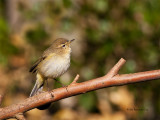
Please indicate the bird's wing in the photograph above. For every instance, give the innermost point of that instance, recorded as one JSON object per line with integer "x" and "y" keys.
{"x": 33, "y": 69}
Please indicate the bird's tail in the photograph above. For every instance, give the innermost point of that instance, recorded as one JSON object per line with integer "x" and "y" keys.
{"x": 38, "y": 87}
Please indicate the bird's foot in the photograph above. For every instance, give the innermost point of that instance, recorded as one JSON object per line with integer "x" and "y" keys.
{"x": 60, "y": 83}
{"x": 39, "y": 92}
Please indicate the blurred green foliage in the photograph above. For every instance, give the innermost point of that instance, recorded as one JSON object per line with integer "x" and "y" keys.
{"x": 67, "y": 3}
{"x": 6, "y": 48}
{"x": 88, "y": 101}
{"x": 37, "y": 36}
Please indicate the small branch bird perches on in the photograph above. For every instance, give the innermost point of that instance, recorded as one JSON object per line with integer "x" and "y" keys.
{"x": 112, "y": 78}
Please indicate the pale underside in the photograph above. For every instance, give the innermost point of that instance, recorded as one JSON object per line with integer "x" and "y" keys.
{"x": 55, "y": 66}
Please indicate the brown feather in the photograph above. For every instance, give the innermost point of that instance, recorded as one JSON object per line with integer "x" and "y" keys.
{"x": 33, "y": 68}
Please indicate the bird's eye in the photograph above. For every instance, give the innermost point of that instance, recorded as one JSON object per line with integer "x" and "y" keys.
{"x": 63, "y": 45}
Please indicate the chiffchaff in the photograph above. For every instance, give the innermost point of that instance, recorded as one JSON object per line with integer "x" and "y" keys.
{"x": 54, "y": 62}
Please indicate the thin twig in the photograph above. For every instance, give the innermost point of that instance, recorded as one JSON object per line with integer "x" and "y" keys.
{"x": 116, "y": 68}
{"x": 75, "y": 79}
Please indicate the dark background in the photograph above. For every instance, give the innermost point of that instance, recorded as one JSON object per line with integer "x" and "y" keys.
{"x": 105, "y": 31}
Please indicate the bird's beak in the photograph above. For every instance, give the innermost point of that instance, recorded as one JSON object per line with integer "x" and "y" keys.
{"x": 71, "y": 40}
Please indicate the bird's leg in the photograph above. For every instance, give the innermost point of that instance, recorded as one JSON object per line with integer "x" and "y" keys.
{"x": 59, "y": 82}
{"x": 47, "y": 85}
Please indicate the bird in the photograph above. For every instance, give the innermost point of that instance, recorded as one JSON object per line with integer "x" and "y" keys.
{"x": 54, "y": 62}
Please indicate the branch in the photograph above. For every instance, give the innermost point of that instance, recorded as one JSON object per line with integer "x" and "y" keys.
{"x": 111, "y": 79}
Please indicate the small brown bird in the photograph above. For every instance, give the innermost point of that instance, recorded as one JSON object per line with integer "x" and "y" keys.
{"x": 54, "y": 62}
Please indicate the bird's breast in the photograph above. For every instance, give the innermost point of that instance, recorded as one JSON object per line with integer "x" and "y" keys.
{"x": 54, "y": 66}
